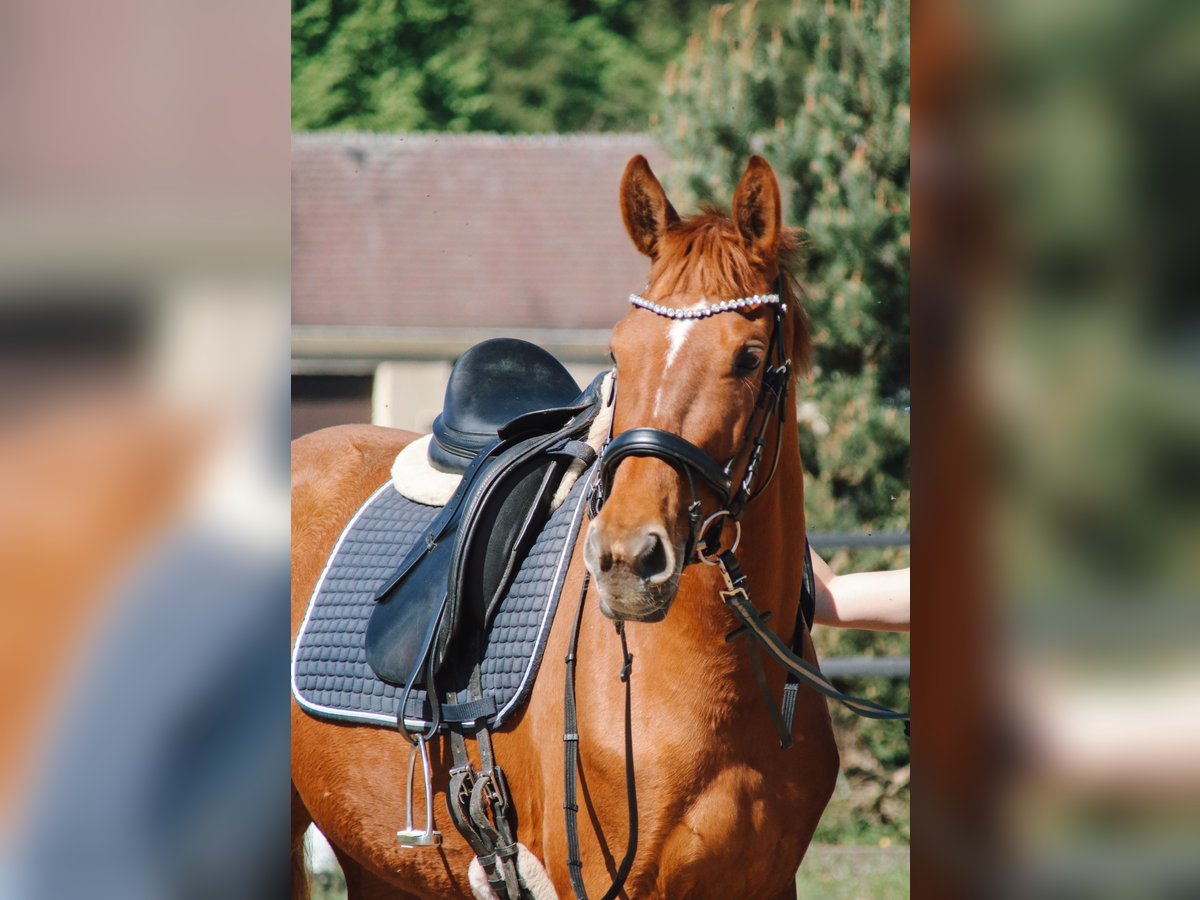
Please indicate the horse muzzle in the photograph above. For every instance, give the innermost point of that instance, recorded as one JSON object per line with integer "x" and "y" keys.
{"x": 636, "y": 571}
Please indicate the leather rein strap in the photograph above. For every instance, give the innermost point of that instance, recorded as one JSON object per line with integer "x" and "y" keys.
{"x": 737, "y": 599}
{"x": 571, "y": 762}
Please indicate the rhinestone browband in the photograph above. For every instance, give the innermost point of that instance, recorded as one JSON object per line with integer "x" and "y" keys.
{"x": 703, "y": 312}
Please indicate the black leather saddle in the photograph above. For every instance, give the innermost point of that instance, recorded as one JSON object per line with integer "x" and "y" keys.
{"x": 521, "y": 417}
{"x": 492, "y": 384}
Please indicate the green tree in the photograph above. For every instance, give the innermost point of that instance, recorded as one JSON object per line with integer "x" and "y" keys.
{"x": 824, "y": 97}
{"x": 478, "y": 65}
{"x": 379, "y": 64}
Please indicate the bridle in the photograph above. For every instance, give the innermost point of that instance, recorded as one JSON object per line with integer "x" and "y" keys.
{"x": 703, "y": 545}
{"x": 693, "y": 462}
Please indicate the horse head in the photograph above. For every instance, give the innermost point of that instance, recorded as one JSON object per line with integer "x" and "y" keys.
{"x": 700, "y": 358}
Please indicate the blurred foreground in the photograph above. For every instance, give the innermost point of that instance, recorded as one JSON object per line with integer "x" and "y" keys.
{"x": 143, "y": 451}
{"x": 1056, "y": 385}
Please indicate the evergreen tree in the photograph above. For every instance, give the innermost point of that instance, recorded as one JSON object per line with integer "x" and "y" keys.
{"x": 824, "y": 97}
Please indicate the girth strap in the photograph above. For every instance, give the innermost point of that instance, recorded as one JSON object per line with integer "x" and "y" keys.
{"x": 480, "y": 806}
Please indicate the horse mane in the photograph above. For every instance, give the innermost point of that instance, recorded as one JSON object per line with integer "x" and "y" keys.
{"x": 705, "y": 253}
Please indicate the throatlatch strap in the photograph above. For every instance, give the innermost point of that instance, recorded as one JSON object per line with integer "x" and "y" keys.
{"x": 808, "y": 611}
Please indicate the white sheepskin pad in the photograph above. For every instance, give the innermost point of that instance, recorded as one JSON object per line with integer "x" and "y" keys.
{"x": 414, "y": 476}
{"x": 597, "y": 435}
{"x": 530, "y": 872}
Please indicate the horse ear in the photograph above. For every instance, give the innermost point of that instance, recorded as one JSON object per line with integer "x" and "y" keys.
{"x": 644, "y": 206}
{"x": 757, "y": 209}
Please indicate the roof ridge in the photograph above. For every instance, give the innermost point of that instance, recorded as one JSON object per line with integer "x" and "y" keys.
{"x": 473, "y": 138}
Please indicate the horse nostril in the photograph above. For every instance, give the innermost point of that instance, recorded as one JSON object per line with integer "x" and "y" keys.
{"x": 597, "y": 553}
{"x": 652, "y": 561}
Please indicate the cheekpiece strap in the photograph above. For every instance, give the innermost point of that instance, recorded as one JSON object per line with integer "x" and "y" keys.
{"x": 710, "y": 309}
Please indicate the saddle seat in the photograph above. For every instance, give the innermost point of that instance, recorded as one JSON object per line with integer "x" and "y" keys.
{"x": 491, "y": 384}
{"x": 522, "y": 418}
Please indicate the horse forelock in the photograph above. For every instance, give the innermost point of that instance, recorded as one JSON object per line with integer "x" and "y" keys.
{"x": 704, "y": 256}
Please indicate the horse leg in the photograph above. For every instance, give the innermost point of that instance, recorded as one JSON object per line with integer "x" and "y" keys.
{"x": 300, "y": 822}
{"x": 362, "y": 884}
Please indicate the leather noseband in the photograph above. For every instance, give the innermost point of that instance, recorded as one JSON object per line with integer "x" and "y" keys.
{"x": 670, "y": 448}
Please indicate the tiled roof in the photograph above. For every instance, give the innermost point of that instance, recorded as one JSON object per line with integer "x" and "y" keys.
{"x": 473, "y": 230}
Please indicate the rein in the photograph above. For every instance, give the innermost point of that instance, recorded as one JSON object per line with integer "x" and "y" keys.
{"x": 571, "y": 762}
{"x": 737, "y": 598}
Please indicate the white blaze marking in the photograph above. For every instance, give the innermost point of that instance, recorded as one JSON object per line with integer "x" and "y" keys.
{"x": 677, "y": 333}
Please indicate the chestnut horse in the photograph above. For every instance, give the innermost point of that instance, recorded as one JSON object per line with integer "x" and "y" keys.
{"x": 723, "y": 810}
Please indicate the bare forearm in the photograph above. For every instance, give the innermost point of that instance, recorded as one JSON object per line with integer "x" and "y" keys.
{"x": 876, "y": 601}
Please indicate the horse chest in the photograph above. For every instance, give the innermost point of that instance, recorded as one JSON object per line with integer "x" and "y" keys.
{"x": 733, "y": 838}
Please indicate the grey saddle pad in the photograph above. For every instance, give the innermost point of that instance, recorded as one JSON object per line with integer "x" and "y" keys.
{"x": 330, "y": 675}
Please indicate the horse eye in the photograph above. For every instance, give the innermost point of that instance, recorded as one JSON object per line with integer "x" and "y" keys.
{"x": 747, "y": 360}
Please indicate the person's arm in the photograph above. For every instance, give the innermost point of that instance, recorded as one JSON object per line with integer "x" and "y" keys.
{"x": 877, "y": 601}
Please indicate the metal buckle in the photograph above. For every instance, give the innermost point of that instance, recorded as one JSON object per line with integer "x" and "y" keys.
{"x": 416, "y": 837}
{"x": 713, "y": 558}
{"x": 495, "y": 790}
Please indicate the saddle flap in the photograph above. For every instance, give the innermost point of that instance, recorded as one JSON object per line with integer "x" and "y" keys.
{"x": 403, "y": 625}
{"x": 493, "y": 542}
{"x": 453, "y": 578}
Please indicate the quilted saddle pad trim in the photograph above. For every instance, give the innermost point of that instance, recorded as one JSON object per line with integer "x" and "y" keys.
{"x": 547, "y": 615}
{"x": 317, "y": 708}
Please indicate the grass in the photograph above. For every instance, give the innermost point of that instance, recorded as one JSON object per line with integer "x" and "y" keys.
{"x": 328, "y": 885}
{"x": 830, "y": 872}
{"x": 841, "y": 872}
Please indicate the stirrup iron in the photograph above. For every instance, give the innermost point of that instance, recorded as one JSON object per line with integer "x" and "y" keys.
{"x": 419, "y": 837}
